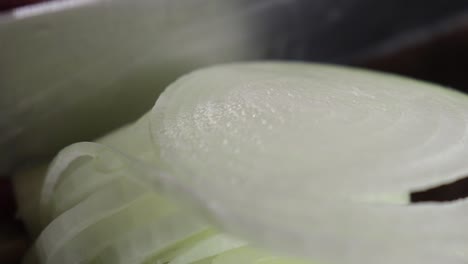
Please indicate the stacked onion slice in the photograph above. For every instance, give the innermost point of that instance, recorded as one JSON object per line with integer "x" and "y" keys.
{"x": 305, "y": 160}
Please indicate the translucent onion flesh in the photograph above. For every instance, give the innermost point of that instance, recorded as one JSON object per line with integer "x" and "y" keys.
{"x": 308, "y": 160}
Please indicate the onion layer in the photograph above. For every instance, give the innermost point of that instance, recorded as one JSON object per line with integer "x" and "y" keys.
{"x": 309, "y": 160}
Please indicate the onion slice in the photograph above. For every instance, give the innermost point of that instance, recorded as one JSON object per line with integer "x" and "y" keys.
{"x": 309, "y": 160}
{"x": 319, "y": 160}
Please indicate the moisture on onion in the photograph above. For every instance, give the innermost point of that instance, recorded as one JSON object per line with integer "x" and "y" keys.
{"x": 263, "y": 163}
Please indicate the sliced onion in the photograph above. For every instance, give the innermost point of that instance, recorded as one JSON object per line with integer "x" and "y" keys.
{"x": 297, "y": 157}
{"x": 249, "y": 255}
{"x": 154, "y": 240}
{"x": 210, "y": 247}
{"x": 101, "y": 205}
{"x": 307, "y": 160}
{"x": 86, "y": 244}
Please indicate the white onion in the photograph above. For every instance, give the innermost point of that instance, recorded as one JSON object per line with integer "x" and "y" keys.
{"x": 307, "y": 160}
{"x": 297, "y": 156}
